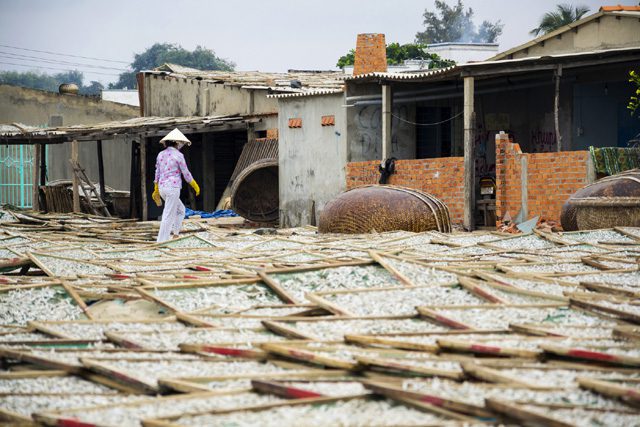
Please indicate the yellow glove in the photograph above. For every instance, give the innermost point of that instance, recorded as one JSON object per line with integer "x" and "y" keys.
{"x": 156, "y": 194}
{"x": 195, "y": 186}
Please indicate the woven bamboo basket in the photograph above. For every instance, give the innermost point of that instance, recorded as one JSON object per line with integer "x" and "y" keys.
{"x": 254, "y": 194}
{"x": 607, "y": 212}
{"x": 568, "y": 217}
{"x": 609, "y": 202}
{"x": 384, "y": 208}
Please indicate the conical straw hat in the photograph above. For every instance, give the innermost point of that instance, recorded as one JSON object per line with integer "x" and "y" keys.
{"x": 176, "y": 135}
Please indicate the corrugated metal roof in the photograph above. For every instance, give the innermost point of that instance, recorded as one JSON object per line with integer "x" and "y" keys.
{"x": 307, "y": 93}
{"x": 257, "y": 79}
{"x": 491, "y": 65}
{"x": 405, "y": 76}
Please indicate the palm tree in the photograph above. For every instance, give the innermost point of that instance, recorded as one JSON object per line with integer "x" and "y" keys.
{"x": 563, "y": 15}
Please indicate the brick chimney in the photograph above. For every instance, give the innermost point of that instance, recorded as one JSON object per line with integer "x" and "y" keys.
{"x": 371, "y": 54}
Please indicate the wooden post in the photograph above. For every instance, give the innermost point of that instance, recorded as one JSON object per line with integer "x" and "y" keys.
{"x": 469, "y": 156}
{"x": 143, "y": 177}
{"x": 556, "y": 108}
{"x": 35, "y": 202}
{"x": 100, "y": 169}
{"x": 386, "y": 121}
{"x": 43, "y": 165}
{"x": 76, "y": 181}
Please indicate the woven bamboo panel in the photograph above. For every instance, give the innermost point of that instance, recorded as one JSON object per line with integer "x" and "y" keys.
{"x": 254, "y": 194}
{"x": 384, "y": 208}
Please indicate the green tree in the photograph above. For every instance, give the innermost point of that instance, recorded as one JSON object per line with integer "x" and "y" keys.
{"x": 93, "y": 89}
{"x": 564, "y": 14}
{"x": 634, "y": 101}
{"x": 397, "y": 54}
{"x": 201, "y": 58}
{"x": 455, "y": 24}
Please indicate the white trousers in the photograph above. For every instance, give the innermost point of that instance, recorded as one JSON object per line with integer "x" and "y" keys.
{"x": 173, "y": 213}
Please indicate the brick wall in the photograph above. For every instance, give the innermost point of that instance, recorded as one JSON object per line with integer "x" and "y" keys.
{"x": 442, "y": 177}
{"x": 371, "y": 54}
{"x": 543, "y": 181}
{"x": 547, "y": 179}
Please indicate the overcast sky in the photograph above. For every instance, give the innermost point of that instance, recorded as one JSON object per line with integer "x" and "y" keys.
{"x": 264, "y": 35}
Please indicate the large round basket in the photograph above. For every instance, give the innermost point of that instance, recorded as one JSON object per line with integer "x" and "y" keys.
{"x": 607, "y": 212}
{"x": 608, "y": 202}
{"x": 384, "y": 208}
{"x": 254, "y": 193}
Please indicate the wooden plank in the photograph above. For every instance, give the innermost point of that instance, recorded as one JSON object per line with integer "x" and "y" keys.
{"x": 143, "y": 178}
{"x": 76, "y": 181}
{"x": 513, "y": 411}
{"x": 611, "y": 389}
{"x": 100, "y": 169}
{"x": 393, "y": 392}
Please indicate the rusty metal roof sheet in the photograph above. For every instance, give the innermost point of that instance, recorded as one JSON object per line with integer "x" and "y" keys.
{"x": 148, "y": 125}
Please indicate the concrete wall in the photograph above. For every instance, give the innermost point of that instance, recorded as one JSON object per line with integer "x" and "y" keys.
{"x": 312, "y": 158}
{"x": 608, "y": 32}
{"x": 41, "y": 108}
{"x": 173, "y": 96}
{"x": 364, "y": 127}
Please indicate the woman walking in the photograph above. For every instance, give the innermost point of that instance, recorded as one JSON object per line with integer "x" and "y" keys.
{"x": 170, "y": 164}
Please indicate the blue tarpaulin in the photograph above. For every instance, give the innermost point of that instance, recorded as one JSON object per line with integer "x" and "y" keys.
{"x": 216, "y": 214}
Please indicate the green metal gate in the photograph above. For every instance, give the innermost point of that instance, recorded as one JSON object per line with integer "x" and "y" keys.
{"x": 16, "y": 175}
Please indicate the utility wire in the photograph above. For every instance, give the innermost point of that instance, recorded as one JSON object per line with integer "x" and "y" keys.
{"x": 56, "y": 68}
{"x": 427, "y": 124}
{"x": 29, "y": 58}
{"x": 63, "y": 54}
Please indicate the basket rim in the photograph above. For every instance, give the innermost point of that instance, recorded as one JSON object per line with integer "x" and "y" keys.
{"x": 618, "y": 201}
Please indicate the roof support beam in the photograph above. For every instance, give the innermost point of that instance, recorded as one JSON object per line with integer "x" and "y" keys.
{"x": 143, "y": 177}
{"x": 76, "y": 181}
{"x": 100, "y": 169}
{"x": 387, "y": 101}
{"x": 469, "y": 155}
{"x": 556, "y": 107}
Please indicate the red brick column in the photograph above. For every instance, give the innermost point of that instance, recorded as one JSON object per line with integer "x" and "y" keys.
{"x": 371, "y": 54}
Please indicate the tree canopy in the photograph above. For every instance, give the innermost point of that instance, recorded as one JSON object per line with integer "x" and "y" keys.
{"x": 564, "y": 14}
{"x": 43, "y": 81}
{"x": 634, "y": 102}
{"x": 455, "y": 24}
{"x": 201, "y": 58}
{"x": 397, "y": 54}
